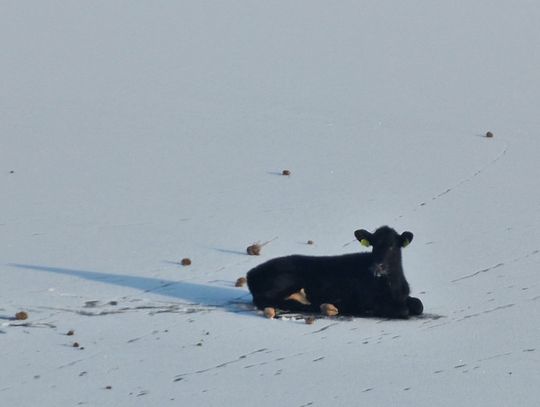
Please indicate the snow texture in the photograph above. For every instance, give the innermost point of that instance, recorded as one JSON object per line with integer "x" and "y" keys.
{"x": 134, "y": 134}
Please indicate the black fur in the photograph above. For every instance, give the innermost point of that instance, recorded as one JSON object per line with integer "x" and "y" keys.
{"x": 357, "y": 284}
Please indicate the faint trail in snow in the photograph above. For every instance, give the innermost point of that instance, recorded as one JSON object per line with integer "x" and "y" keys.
{"x": 322, "y": 329}
{"x": 241, "y": 358}
{"x": 469, "y": 316}
{"x": 429, "y": 317}
{"x": 485, "y": 270}
{"x": 471, "y": 177}
{"x": 154, "y": 309}
{"x": 477, "y": 273}
{"x": 452, "y": 188}
{"x": 73, "y": 363}
{"x": 461, "y": 182}
{"x": 280, "y": 359}
{"x": 32, "y": 324}
{"x": 497, "y": 356}
{"x": 489, "y": 311}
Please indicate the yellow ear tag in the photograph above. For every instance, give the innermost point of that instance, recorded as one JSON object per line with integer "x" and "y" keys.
{"x": 365, "y": 242}
{"x": 405, "y": 243}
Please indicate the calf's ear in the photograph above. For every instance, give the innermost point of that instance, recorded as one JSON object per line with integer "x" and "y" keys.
{"x": 406, "y": 238}
{"x": 364, "y": 237}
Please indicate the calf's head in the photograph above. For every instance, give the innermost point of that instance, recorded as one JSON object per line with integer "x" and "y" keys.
{"x": 387, "y": 245}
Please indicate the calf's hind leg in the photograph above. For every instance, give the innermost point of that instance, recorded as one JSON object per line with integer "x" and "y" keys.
{"x": 296, "y": 301}
{"x": 272, "y": 289}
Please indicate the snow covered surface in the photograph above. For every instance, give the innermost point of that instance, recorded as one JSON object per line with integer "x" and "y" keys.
{"x": 134, "y": 134}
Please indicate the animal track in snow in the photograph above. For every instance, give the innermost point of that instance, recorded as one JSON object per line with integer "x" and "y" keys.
{"x": 241, "y": 358}
{"x": 464, "y": 180}
{"x": 458, "y": 184}
{"x": 487, "y": 269}
{"x": 154, "y": 309}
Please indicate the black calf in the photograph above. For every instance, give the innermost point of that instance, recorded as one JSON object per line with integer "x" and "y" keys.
{"x": 357, "y": 284}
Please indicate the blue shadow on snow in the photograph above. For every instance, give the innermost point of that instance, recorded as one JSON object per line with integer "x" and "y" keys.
{"x": 194, "y": 293}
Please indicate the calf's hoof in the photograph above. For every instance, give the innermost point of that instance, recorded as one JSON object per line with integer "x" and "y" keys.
{"x": 415, "y": 306}
{"x": 329, "y": 310}
{"x": 269, "y": 312}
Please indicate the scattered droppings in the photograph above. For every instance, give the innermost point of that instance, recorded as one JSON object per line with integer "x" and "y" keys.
{"x": 71, "y": 332}
{"x": 21, "y": 316}
{"x": 310, "y": 320}
{"x": 185, "y": 262}
{"x": 286, "y": 172}
{"x": 310, "y": 242}
{"x": 329, "y": 310}
{"x": 489, "y": 134}
{"x": 269, "y": 312}
{"x": 240, "y": 282}
{"x": 254, "y": 249}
